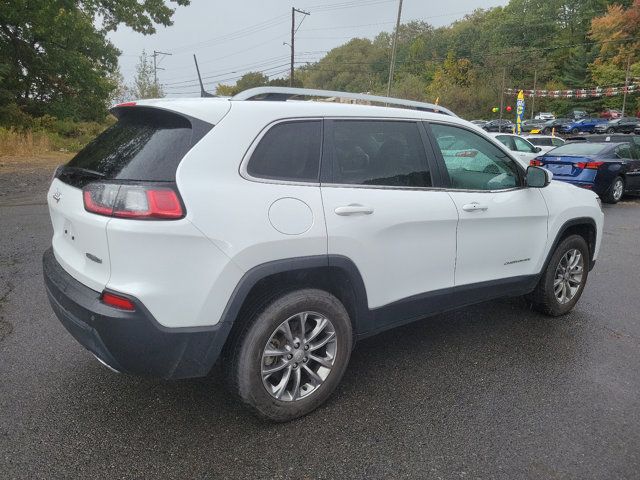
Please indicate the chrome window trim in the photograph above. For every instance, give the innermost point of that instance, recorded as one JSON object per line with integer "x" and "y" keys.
{"x": 256, "y": 141}
{"x": 493, "y": 141}
{"x": 254, "y": 144}
{"x": 247, "y": 156}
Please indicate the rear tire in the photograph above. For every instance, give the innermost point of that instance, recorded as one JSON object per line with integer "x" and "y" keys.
{"x": 300, "y": 375}
{"x": 615, "y": 192}
{"x": 563, "y": 281}
{"x": 610, "y": 130}
{"x": 575, "y": 131}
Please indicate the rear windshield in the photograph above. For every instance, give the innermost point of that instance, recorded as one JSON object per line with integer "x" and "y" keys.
{"x": 579, "y": 149}
{"x": 145, "y": 144}
{"x": 540, "y": 141}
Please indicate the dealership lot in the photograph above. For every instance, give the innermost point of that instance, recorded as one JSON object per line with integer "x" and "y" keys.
{"x": 491, "y": 391}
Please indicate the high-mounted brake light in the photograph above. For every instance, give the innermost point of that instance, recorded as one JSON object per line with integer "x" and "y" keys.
{"x": 133, "y": 201}
{"x": 117, "y": 301}
{"x": 126, "y": 104}
{"x": 588, "y": 165}
{"x": 536, "y": 162}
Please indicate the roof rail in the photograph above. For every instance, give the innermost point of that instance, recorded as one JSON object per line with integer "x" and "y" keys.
{"x": 286, "y": 93}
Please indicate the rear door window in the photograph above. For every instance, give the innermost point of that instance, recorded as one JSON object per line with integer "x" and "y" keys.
{"x": 523, "y": 145}
{"x": 379, "y": 152}
{"x": 624, "y": 151}
{"x": 145, "y": 144}
{"x": 507, "y": 141}
{"x": 289, "y": 151}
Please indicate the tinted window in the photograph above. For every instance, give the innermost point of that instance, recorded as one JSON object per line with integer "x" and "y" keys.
{"x": 545, "y": 142}
{"x": 145, "y": 144}
{"x": 557, "y": 141}
{"x": 623, "y": 151}
{"x": 474, "y": 163}
{"x": 289, "y": 151}
{"x": 372, "y": 152}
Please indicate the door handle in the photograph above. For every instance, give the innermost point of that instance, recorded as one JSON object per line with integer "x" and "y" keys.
{"x": 474, "y": 207}
{"x": 353, "y": 209}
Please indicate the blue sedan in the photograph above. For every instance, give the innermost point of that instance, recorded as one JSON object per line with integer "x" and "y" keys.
{"x": 585, "y": 125}
{"x": 610, "y": 169}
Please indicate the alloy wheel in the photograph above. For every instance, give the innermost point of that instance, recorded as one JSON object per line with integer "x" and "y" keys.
{"x": 568, "y": 277}
{"x": 299, "y": 356}
{"x": 618, "y": 189}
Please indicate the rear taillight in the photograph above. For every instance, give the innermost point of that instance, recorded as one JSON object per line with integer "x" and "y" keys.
{"x": 117, "y": 301}
{"x": 536, "y": 162}
{"x": 588, "y": 165}
{"x": 133, "y": 201}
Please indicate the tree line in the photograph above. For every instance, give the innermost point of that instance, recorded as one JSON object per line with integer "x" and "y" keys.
{"x": 57, "y": 62}
{"x": 557, "y": 44}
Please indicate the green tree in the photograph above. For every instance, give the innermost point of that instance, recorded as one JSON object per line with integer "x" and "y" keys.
{"x": 58, "y": 56}
{"x": 144, "y": 83}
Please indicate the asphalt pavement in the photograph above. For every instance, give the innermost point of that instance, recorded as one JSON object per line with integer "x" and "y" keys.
{"x": 490, "y": 391}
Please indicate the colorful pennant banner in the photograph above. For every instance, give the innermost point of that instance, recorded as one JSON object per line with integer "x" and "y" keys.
{"x": 578, "y": 93}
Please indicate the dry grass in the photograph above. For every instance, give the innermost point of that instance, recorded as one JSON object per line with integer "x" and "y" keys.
{"x": 32, "y": 163}
{"x": 26, "y": 143}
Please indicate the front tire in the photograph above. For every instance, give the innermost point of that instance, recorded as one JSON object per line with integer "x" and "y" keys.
{"x": 610, "y": 130}
{"x": 563, "y": 281}
{"x": 292, "y": 355}
{"x": 615, "y": 192}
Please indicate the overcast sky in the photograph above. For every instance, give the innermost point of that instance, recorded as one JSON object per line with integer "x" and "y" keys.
{"x": 233, "y": 37}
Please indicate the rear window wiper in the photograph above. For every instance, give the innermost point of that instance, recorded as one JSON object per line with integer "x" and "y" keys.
{"x": 68, "y": 169}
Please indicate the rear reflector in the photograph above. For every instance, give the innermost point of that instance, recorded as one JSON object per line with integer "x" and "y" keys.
{"x": 120, "y": 200}
{"x": 117, "y": 301}
{"x": 589, "y": 165}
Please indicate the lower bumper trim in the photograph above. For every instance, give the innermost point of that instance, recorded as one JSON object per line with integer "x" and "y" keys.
{"x": 129, "y": 342}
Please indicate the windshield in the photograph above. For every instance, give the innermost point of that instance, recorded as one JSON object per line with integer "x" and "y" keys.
{"x": 579, "y": 149}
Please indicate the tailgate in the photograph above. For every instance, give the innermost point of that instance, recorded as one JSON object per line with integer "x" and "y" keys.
{"x": 79, "y": 237}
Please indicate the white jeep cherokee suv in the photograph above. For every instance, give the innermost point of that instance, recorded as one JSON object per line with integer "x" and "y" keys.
{"x": 274, "y": 234}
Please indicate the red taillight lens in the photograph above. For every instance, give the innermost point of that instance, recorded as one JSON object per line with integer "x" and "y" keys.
{"x": 589, "y": 165}
{"x": 133, "y": 201}
{"x": 536, "y": 162}
{"x": 117, "y": 301}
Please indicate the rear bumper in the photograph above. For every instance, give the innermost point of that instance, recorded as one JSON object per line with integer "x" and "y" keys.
{"x": 129, "y": 342}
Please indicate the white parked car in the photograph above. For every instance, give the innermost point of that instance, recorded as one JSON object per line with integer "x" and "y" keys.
{"x": 271, "y": 235}
{"x": 545, "y": 142}
{"x": 521, "y": 148}
{"x": 545, "y": 116}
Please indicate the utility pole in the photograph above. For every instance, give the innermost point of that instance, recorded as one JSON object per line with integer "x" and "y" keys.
{"x": 393, "y": 50}
{"x": 504, "y": 75}
{"x": 626, "y": 86}
{"x": 293, "y": 36}
{"x": 533, "y": 97}
{"x": 156, "y": 67}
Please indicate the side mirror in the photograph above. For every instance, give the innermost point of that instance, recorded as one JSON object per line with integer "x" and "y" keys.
{"x": 538, "y": 149}
{"x": 538, "y": 177}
